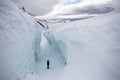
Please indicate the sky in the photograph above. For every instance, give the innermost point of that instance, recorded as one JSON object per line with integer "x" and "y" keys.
{"x": 67, "y": 8}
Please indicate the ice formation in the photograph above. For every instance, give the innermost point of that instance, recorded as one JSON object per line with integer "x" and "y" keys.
{"x": 91, "y": 47}
{"x": 20, "y": 37}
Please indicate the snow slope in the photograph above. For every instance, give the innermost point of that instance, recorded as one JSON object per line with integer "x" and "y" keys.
{"x": 20, "y": 39}
{"x": 91, "y": 48}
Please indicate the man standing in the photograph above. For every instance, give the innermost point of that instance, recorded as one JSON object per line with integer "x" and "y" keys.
{"x": 48, "y": 64}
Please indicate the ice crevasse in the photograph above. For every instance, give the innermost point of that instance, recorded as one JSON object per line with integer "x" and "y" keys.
{"x": 91, "y": 45}
{"x": 19, "y": 41}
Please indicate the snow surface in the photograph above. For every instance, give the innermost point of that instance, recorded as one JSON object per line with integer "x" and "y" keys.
{"x": 20, "y": 37}
{"x": 90, "y": 47}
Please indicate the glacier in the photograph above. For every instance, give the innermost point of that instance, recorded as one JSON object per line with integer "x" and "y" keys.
{"x": 81, "y": 50}
{"x": 20, "y": 37}
{"x": 91, "y": 47}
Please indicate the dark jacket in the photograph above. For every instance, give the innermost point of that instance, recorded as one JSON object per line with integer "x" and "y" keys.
{"x": 48, "y": 63}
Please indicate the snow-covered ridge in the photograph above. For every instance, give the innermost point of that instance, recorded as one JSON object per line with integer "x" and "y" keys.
{"x": 91, "y": 45}
{"x": 20, "y": 37}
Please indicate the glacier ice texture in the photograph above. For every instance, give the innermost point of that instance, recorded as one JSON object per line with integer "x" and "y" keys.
{"x": 20, "y": 37}
{"x": 91, "y": 46}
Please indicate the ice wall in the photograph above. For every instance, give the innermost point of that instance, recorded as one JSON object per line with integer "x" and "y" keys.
{"x": 94, "y": 42}
{"x": 20, "y": 39}
{"x": 58, "y": 43}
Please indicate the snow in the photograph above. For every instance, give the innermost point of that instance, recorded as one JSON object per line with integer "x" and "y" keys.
{"x": 20, "y": 37}
{"x": 90, "y": 47}
{"x": 81, "y": 50}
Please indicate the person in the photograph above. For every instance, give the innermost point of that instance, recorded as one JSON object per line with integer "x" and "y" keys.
{"x": 23, "y": 9}
{"x": 48, "y": 64}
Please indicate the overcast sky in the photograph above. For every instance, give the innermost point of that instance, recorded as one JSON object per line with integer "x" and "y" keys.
{"x": 67, "y": 8}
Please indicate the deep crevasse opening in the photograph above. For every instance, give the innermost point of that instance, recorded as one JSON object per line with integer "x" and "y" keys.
{"x": 90, "y": 47}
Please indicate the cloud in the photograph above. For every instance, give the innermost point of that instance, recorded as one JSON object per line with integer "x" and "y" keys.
{"x": 88, "y": 10}
{"x": 37, "y": 7}
{"x": 81, "y": 8}
{"x": 68, "y": 8}
{"x": 116, "y": 4}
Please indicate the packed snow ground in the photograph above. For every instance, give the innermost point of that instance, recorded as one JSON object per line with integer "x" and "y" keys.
{"x": 91, "y": 48}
